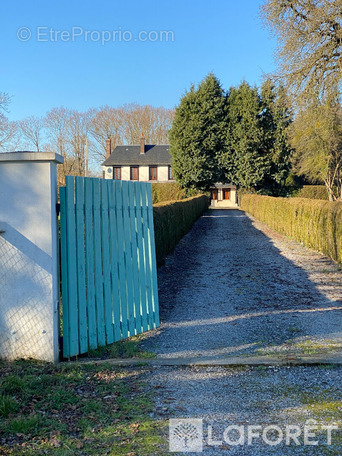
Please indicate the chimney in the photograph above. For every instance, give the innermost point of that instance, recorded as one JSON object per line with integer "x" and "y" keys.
{"x": 142, "y": 144}
{"x": 108, "y": 147}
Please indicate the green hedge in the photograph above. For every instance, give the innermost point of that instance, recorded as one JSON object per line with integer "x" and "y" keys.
{"x": 316, "y": 223}
{"x": 173, "y": 219}
{"x": 167, "y": 192}
{"x": 313, "y": 192}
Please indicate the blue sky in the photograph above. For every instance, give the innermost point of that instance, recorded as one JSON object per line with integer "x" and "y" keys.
{"x": 222, "y": 36}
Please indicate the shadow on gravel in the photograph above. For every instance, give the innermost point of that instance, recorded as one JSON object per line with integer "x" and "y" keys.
{"x": 227, "y": 290}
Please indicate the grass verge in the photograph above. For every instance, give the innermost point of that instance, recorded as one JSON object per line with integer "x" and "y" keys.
{"x": 74, "y": 409}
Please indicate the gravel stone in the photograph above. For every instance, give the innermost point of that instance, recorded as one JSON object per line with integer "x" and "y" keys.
{"x": 233, "y": 287}
{"x": 254, "y": 396}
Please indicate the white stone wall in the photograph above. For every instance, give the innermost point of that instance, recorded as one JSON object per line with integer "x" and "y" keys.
{"x": 108, "y": 170}
{"x": 223, "y": 204}
{"x": 144, "y": 173}
{"x": 163, "y": 173}
{"x": 126, "y": 173}
{"x": 233, "y": 196}
{"x": 29, "y": 280}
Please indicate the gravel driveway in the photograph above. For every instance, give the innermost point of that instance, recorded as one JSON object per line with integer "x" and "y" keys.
{"x": 234, "y": 288}
{"x": 254, "y": 396}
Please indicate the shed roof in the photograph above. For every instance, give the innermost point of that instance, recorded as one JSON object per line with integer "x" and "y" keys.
{"x": 220, "y": 185}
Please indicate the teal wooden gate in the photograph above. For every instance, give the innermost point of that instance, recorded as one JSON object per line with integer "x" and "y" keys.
{"x": 108, "y": 262}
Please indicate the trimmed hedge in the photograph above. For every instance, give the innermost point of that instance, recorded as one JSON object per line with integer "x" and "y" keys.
{"x": 167, "y": 192}
{"x": 316, "y": 223}
{"x": 313, "y": 192}
{"x": 173, "y": 219}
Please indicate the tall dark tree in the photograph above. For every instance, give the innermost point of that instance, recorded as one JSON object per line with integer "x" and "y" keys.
{"x": 244, "y": 159}
{"x": 197, "y": 135}
{"x": 276, "y": 118}
{"x": 257, "y": 151}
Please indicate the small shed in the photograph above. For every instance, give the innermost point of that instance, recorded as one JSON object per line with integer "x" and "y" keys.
{"x": 223, "y": 196}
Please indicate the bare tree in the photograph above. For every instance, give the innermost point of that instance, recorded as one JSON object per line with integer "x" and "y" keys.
{"x": 56, "y": 124}
{"x": 105, "y": 122}
{"x": 31, "y": 129}
{"x": 56, "y": 121}
{"x": 70, "y": 133}
{"x": 7, "y": 129}
{"x": 154, "y": 122}
{"x": 125, "y": 124}
{"x": 78, "y": 125}
{"x": 5, "y": 100}
{"x": 310, "y": 42}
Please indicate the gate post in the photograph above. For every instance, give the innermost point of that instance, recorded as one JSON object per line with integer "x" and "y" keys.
{"x": 29, "y": 271}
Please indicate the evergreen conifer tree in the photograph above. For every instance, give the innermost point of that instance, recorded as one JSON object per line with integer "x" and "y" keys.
{"x": 197, "y": 135}
{"x": 244, "y": 158}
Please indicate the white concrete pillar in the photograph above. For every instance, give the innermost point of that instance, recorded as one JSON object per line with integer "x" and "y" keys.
{"x": 29, "y": 271}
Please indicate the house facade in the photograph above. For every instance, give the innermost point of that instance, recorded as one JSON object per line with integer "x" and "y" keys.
{"x": 152, "y": 163}
{"x": 144, "y": 163}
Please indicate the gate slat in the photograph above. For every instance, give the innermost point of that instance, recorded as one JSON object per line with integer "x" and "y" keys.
{"x": 148, "y": 271}
{"x": 72, "y": 268}
{"x": 128, "y": 258}
{"x": 153, "y": 260}
{"x": 101, "y": 338}
{"x": 81, "y": 273}
{"x": 114, "y": 262}
{"x": 121, "y": 259}
{"x": 105, "y": 238}
{"x": 64, "y": 273}
{"x": 89, "y": 243}
{"x": 135, "y": 266}
{"x": 141, "y": 257}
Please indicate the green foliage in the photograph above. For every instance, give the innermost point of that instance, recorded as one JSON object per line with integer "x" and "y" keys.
{"x": 276, "y": 118}
{"x": 244, "y": 160}
{"x": 173, "y": 219}
{"x": 257, "y": 153}
{"x": 198, "y": 134}
{"x": 313, "y": 192}
{"x": 167, "y": 192}
{"x": 75, "y": 409}
{"x": 316, "y": 223}
{"x": 238, "y": 137}
{"x": 316, "y": 134}
{"x": 8, "y": 406}
{"x": 294, "y": 182}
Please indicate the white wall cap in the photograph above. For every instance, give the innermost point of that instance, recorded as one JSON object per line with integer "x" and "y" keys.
{"x": 23, "y": 156}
